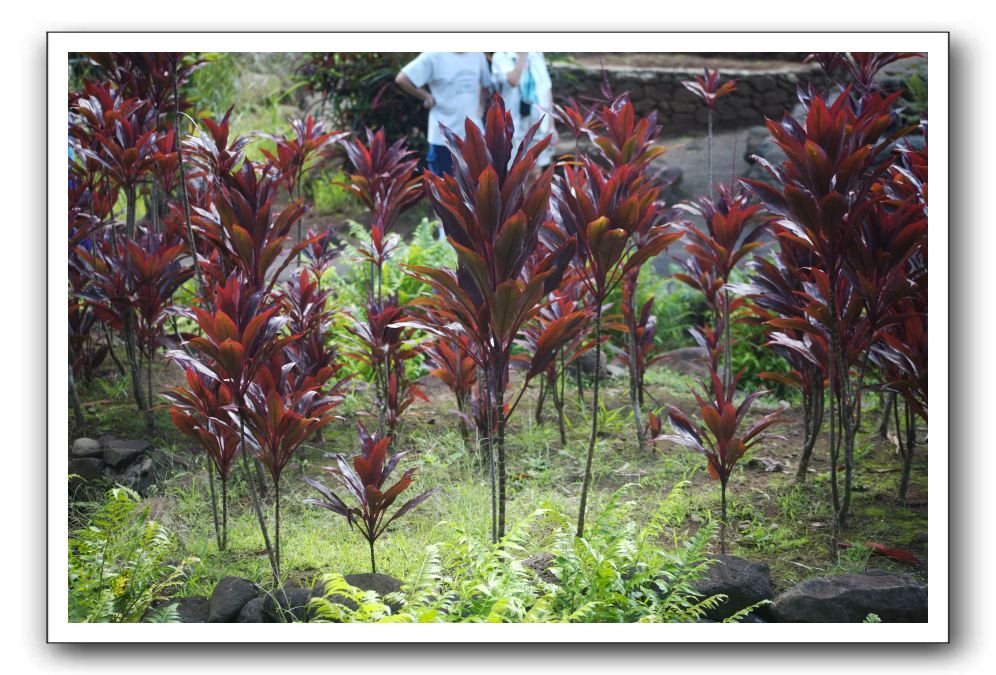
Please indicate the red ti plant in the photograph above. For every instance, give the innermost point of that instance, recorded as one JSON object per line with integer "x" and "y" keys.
{"x": 242, "y": 228}
{"x": 451, "y": 363}
{"x": 607, "y": 210}
{"x": 318, "y": 254}
{"x": 386, "y": 182}
{"x": 708, "y": 88}
{"x": 385, "y": 345}
{"x": 203, "y": 411}
{"x": 306, "y": 307}
{"x": 720, "y": 438}
{"x": 492, "y": 215}
{"x": 279, "y": 422}
{"x": 157, "y": 271}
{"x": 365, "y": 480}
{"x": 564, "y": 302}
{"x": 296, "y": 154}
{"x": 776, "y": 288}
{"x": 238, "y": 340}
{"x": 642, "y": 325}
{"x": 732, "y": 229}
{"x": 825, "y": 196}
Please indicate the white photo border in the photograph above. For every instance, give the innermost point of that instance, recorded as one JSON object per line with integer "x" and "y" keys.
{"x": 934, "y": 44}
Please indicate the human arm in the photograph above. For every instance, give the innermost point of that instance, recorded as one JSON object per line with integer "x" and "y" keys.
{"x": 515, "y": 75}
{"x": 409, "y": 87}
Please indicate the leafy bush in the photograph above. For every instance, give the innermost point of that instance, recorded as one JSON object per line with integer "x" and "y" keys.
{"x": 615, "y": 574}
{"x": 118, "y": 565}
{"x": 326, "y": 192}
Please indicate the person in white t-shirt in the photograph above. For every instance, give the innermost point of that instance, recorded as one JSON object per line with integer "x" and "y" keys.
{"x": 457, "y": 84}
{"x": 525, "y": 85}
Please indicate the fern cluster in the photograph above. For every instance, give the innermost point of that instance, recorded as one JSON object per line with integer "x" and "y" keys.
{"x": 118, "y": 564}
{"x": 616, "y": 573}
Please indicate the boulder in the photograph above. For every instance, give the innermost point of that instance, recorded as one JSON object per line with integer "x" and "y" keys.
{"x": 119, "y": 454}
{"x": 849, "y": 598}
{"x": 743, "y": 582}
{"x": 139, "y": 476}
{"x": 765, "y": 464}
{"x": 288, "y": 604}
{"x": 229, "y": 597}
{"x": 193, "y": 609}
{"x": 692, "y": 361}
{"x": 252, "y": 612}
{"x": 87, "y": 468}
{"x": 381, "y": 583}
{"x": 86, "y": 447}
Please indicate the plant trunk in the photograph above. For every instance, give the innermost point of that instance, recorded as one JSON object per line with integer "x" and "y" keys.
{"x": 558, "y": 403}
{"x": 247, "y": 473}
{"x": 634, "y": 394}
{"x": 132, "y": 352}
{"x": 814, "y": 423}
{"x": 264, "y": 491}
{"x": 888, "y": 401}
{"x": 276, "y": 529}
{"x": 150, "y": 420}
{"x": 500, "y": 409}
{"x": 224, "y": 511}
{"x": 489, "y": 441}
{"x": 722, "y": 522}
{"x": 373, "y": 560}
{"x": 904, "y": 483}
{"x": 214, "y": 504}
{"x": 75, "y": 400}
{"x": 110, "y": 350}
{"x": 594, "y": 419}
{"x": 709, "y": 151}
{"x": 539, "y": 402}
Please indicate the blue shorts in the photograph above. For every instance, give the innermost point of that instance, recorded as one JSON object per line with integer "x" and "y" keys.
{"x": 440, "y": 160}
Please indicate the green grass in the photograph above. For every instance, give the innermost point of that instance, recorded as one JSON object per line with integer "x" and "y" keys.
{"x": 772, "y": 518}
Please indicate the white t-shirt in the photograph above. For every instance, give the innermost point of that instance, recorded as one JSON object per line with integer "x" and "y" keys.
{"x": 502, "y": 63}
{"x": 455, "y": 81}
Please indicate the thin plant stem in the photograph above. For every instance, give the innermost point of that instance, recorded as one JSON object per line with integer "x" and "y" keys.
{"x": 255, "y": 498}
{"x": 594, "y": 420}
{"x": 214, "y": 504}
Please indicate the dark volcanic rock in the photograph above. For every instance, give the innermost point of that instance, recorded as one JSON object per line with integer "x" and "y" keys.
{"x": 229, "y": 596}
{"x": 193, "y": 609}
{"x": 381, "y": 583}
{"x": 744, "y": 583}
{"x": 120, "y": 454}
{"x": 87, "y": 468}
{"x": 252, "y": 612}
{"x": 139, "y": 476}
{"x": 287, "y": 604}
{"x": 849, "y": 598}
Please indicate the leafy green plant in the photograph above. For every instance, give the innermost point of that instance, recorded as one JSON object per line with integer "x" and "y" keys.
{"x": 119, "y": 563}
{"x": 617, "y": 574}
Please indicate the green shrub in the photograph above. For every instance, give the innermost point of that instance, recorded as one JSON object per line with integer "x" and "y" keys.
{"x": 326, "y": 194}
{"x": 118, "y": 564}
{"x": 615, "y": 574}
